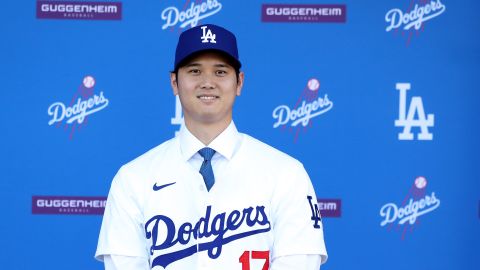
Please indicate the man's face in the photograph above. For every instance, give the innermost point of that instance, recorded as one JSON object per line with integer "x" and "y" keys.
{"x": 207, "y": 87}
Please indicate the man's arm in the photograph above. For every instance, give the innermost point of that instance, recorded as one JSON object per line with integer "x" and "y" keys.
{"x": 297, "y": 225}
{"x": 122, "y": 233}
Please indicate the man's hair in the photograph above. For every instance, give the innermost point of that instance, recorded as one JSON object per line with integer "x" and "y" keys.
{"x": 230, "y": 61}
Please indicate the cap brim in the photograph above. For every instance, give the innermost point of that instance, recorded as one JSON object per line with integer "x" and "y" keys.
{"x": 232, "y": 61}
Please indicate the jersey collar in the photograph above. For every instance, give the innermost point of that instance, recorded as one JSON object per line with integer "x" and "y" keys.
{"x": 225, "y": 144}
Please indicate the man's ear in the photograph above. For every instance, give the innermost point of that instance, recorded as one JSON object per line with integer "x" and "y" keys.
{"x": 174, "y": 83}
{"x": 241, "y": 78}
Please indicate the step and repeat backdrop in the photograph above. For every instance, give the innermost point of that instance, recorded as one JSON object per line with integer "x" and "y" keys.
{"x": 378, "y": 99}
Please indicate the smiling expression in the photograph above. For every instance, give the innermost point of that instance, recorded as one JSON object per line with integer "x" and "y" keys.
{"x": 207, "y": 86}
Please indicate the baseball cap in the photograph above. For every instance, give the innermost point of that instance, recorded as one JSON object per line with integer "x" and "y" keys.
{"x": 206, "y": 37}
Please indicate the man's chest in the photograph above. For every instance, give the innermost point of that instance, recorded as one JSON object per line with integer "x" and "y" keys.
{"x": 185, "y": 223}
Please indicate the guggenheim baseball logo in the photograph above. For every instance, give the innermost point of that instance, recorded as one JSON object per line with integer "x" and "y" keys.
{"x": 84, "y": 103}
{"x": 416, "y": 203}
{"x": 79, "y": 10}
{"x": 330, "y": 207}
{"x": 304, "y": 13}
{"x": 413, "y": 18}
{"x": 68, "y": 205}
{"x": 308, "y": 106}
{"x": 191, "y": 13}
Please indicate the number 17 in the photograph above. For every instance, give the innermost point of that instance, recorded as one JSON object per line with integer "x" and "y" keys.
{"x": 245, "y": 259}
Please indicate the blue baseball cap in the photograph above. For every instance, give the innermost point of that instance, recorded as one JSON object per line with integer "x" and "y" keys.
{"x": 206, "y": 37}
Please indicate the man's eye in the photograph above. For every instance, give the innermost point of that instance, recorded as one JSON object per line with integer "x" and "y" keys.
{"x": 194, "y": 71}
{"x": 221, "y": 72}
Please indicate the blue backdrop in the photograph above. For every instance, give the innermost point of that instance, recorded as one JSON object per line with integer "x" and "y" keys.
{"x": 398, "y": 203}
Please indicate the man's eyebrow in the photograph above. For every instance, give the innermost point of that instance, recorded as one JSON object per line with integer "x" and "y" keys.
{"x": 218, "y": 65}
{"x": 221, "y": 65}
{"x": 194, "y": 64}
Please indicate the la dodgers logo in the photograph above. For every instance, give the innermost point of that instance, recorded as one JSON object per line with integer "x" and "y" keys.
{"x": 190, "y": 16}
{"x": 308, "y": 106}
{"x": 417, "y": 203}
{"x": 216, "y": 232}
{"x": 407, "y": 121}
{"x": 177, "y": 119}
{"x": 83, "y": 104}
{"x": 414, "y": 18}
{"x": 208, "y": 36}
{"x": 316, "y": 217}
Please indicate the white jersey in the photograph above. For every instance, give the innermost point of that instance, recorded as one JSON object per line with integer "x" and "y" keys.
{"x": 261, "y": 206}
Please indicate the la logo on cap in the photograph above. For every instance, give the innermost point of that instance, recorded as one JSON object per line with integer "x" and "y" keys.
{"x": 208, "y": 36}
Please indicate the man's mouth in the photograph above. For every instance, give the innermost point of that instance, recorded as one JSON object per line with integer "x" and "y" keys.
{"x": 207, "y": 97}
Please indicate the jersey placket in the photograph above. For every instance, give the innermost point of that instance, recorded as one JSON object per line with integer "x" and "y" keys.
{"x": 200, "y": 201}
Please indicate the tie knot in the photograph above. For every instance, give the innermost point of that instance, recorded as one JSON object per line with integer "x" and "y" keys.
{"x": 207, "y": 153}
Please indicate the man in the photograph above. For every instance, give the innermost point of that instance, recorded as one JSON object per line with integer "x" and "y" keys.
{"x": 211, "y": 198}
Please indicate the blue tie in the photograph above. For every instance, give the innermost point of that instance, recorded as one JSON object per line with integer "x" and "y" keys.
{"x": 206, "y": 169}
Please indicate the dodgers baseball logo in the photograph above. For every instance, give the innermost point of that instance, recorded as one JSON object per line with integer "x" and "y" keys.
{"x": 308, "y": 106}
{"x": 191, "y": 14}
{"x": 407, "y": 120}
{"x": 417, "y": 203}
{"x": 208, "y": 36}
{"x": 177, "y": 119}
{"x": 414, "y": 18}
{"x": 316, "y": 218}
{"x": 83, "y": 104}
{"x": 209, "y": 233}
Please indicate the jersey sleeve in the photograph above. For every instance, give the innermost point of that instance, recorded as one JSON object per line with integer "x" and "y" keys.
{"x": 122, "y": 232}
{"x": 297, "y": 224}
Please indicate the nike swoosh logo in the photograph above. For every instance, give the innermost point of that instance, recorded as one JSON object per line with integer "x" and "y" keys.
{"x": 157, "y": 188}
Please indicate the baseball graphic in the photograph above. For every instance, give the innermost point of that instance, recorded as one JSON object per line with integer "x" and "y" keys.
{"x": 88, "y": 81}
{"x": 313, "y": 84}
{"x": 420, "y": 182}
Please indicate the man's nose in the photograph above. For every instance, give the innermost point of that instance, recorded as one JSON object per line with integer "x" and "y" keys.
{"x": 208, "y": 81}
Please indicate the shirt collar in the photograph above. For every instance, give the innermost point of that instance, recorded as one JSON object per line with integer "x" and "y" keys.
{"x": 225, "y": 144}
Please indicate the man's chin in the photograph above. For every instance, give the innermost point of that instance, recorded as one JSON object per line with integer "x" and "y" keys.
{"x": 211, "y": 118}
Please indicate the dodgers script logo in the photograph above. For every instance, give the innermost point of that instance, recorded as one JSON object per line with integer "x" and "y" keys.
{"x": 191, "y": 14}
{"x": 309, "y": 105}
{"x": 209, "y": 233}
{"x": 83, "y": 104}
{"x": 408, "y": 120}
{"x": 417, "y": 203}
{"x": 414, "y": 17}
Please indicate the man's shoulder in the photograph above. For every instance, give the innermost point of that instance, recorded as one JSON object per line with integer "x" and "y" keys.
{"x": 163, "y": 151}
